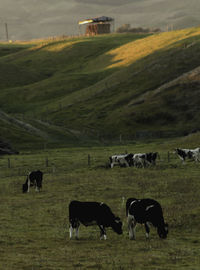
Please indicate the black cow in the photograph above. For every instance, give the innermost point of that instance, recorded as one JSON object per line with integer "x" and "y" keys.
{"x": 92, "y": 213}
{"x": 33, "y": 179}
{"x": 145, "y": 211}
{"x": 151, "y": 157}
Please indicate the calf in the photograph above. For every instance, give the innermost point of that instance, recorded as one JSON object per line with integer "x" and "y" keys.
{"x": 145, "y": 211}
{"x": 121, "y": 160}
{"x": 193, "y": 154}
{"x": 92, "y": 213}
{"x": 33, "y": 179}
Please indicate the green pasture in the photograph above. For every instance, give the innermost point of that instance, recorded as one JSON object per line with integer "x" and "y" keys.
{"x": 34, "y": 227}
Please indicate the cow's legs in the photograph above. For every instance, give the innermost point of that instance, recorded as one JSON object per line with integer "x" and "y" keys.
{"x": 126, "y": 163}
{"x": 196, "y": 158}
{"x": 36, "y": 186}
{"x": 77, "y": 231}
{"x": 74, "y": 225}
{"x": 102, "y": 232}
{"x": 70, "y": 231}
{"x": 147, "y": 229}
{"x": 29, "y": 183}
{"x": 182, "y": 159}
{"x": 131, "y": 227}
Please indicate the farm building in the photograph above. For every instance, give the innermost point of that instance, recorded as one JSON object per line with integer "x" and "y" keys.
{"x": 96, "y": 26}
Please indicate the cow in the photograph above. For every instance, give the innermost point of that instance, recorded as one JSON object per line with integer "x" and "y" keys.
{"x": 139, "y": 160}
{"x": 92, "y": 213}
{"x": 34, "y": 178}
{"x": 193, "y": 154}
{"x": 151, "y": 157}
{"x": 145, "y": 211}
{"x": 124, "y": 160}
{"x": 145, "y": 159}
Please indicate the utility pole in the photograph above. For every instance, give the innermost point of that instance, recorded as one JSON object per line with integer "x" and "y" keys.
{"x": 6, "y": 29}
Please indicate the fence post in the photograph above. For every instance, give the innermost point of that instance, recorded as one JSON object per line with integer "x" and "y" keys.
{"x": 168, "y": 156}
{"x": 120, "y": 138}
{"x": 9, "y": 163}
{"x": 89, "y": 159}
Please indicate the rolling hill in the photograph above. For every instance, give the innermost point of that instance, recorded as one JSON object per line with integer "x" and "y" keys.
{"x": 74, "y": 90}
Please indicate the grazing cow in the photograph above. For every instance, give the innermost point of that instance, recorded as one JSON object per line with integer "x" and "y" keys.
{"x": 193, "y": 154}
{"x": 151, "y": 157}
{"x": 140, "y": 160}
{"x": 92, "y": 213}
{"x": 121, "y": 160}
{"x": 145, "y": 211}
{"x": 33, "y": 179}
{"x": 145, "y": 159}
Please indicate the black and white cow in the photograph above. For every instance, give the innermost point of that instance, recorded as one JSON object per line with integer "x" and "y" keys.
{"x": 145, "y": 159}
{"x": 193, "y": 154}
{"x": 92, "y": 213}
{"x": 34, "y": 178}
{"x": 145, "y": 211}
{"x": 124, "y": 160}
{"x": 151, "y": 157}
{"x": 139, "y": 160}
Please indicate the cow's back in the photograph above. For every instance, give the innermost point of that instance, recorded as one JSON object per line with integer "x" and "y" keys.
{"x": 147, "y": 210}
{"x": 90, "y": 212}
{"x": 85, "y": 212}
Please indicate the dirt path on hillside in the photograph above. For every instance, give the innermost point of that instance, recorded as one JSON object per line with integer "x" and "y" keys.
{"x": 184, "y": 78}
{"x": 29, "y": 128}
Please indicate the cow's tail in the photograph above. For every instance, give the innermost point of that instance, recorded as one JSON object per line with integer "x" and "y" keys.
{"x": 27, "y": 177}
{"x": 28, "y": 174}
{"x": 26, "y": 182}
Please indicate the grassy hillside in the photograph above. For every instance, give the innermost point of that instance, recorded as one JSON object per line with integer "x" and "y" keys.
{"x": 105, "y": 86}
{"x": 39, "y": 221}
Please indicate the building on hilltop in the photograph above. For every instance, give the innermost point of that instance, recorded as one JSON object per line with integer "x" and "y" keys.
{"x": 96, "y": 26}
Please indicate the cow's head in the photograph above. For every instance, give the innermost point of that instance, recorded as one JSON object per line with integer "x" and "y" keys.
{"x": 163, "y": 231}
{"x": 117, "y": 225}
{"x": 25, "y": 188}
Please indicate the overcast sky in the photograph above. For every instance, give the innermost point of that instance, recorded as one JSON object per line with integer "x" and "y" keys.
{"x": 29, "y": 19}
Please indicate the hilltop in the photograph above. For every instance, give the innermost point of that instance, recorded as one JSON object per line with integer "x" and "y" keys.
{"x": 27, "y": 20}
{"x": 74, "y": 90}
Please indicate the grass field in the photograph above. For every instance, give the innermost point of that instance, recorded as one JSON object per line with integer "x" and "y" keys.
{"x": 34, "y": 227}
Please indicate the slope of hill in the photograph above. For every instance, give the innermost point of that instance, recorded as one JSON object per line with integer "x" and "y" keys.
{"x": 120, "y": 84}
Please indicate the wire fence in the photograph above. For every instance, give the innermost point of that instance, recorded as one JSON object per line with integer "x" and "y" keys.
{"x": 52, "y": 163}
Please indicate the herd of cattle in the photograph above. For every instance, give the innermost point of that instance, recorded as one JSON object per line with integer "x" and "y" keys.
{"x": 147, "y": 159}
{"x": 143, "y": 211}
{"x": 137, "y": 160}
